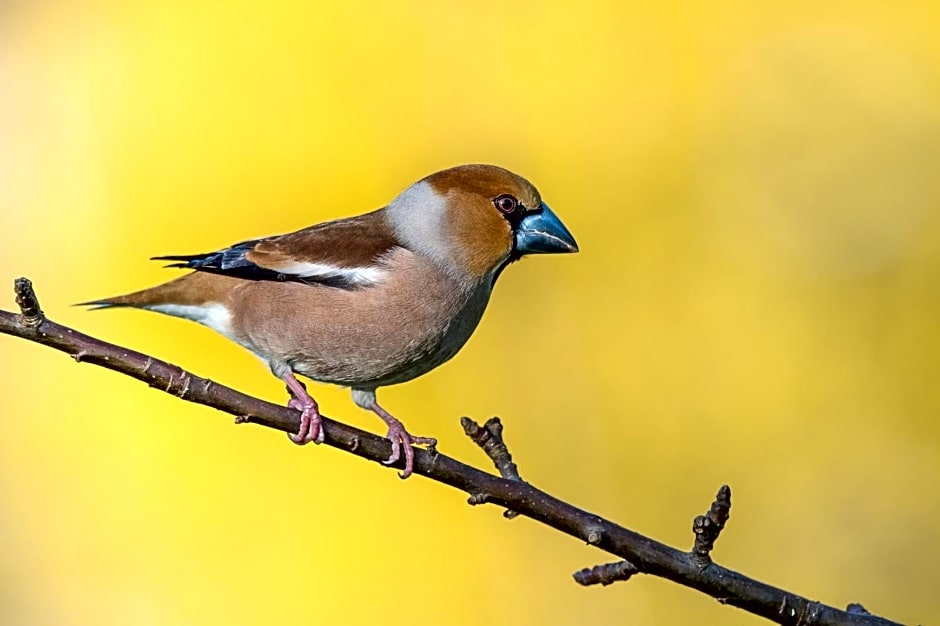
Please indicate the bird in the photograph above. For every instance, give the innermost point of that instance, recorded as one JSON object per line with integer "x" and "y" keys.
{"x": 366, "y": 301}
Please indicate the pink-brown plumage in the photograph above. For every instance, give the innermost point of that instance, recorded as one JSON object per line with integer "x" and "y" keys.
{"x": 372, "y": 300}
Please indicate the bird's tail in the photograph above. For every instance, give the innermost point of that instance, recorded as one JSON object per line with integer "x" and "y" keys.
{"x": 196, "y": 289}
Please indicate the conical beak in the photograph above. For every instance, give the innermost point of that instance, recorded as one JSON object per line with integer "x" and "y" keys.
{"x": 543, "y": 233}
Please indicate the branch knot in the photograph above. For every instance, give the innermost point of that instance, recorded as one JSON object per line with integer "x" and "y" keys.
{"x": 30, "y": 312}
{"x": 606, "y": 574}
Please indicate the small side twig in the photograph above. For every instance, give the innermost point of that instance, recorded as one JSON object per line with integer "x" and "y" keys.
{"x": 606, "y": 574}
{"x": 489, "y": 437}
{"x": 707, "y": 527}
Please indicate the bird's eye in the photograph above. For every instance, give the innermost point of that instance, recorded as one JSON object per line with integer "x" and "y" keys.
{"x": 506, "y": 203}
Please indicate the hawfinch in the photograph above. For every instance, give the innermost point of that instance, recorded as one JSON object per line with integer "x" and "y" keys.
{"x": 371, "y": 300}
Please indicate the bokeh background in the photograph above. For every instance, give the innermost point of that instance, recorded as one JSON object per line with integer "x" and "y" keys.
{"x": 754, "y": 187}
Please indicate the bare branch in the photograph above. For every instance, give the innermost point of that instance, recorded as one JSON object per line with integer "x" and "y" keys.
{"x": 646, "y": 555}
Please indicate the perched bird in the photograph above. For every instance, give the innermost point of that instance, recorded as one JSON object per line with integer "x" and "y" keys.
{"x": 371, "y": 300}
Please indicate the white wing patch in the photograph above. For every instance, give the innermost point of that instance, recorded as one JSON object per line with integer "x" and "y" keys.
{"x": 360, "y": 276}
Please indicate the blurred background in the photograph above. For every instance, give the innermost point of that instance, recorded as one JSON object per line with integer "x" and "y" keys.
{"x": 756, "y": 302}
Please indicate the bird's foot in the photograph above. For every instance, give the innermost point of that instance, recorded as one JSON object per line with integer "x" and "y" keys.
{"x": 402, "y": 440}
{"x": 311, "y": 424}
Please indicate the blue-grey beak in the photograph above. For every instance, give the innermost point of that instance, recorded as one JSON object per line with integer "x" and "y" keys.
{"x": 543, "y": 233}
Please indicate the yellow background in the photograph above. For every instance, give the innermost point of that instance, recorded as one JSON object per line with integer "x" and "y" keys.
{"x": 754, "y": 188}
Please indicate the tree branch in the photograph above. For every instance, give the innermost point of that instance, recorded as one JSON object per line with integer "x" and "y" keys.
{"x": 693, "y": 569}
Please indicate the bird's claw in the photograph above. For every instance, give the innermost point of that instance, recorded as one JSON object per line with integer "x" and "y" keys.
{"x": 401, "y": 439}
{"x": 311, "y": 424}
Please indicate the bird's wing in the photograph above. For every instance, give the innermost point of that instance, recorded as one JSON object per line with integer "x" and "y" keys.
{"x": 345, "y": 253}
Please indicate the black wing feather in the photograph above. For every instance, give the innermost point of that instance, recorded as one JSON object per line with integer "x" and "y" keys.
{"x": 233, "y": 262}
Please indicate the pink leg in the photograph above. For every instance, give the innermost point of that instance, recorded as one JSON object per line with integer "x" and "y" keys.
{"x": 311, "y": 428}
{"x": 401, "y": 438}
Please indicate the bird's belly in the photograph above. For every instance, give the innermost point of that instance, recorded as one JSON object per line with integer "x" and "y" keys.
{"x": 379, "y": 341}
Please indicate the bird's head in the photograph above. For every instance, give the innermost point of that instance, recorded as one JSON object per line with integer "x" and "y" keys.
{"x": 475, "y": 219}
